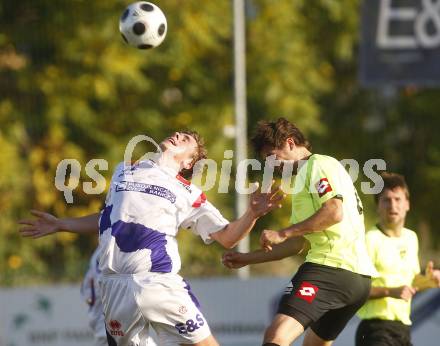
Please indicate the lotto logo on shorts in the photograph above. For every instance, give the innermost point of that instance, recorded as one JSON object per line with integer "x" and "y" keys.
{"x": 115, "y": 328}
{"x": 307, "y": 291}
{"x": 323, "y": 187}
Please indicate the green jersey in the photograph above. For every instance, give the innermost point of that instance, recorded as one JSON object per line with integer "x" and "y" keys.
{"x": 396, "y": 259}
{"x": 341, "y": 245}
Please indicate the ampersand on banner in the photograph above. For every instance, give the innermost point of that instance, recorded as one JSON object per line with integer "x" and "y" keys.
{"x": 430, "y": 14}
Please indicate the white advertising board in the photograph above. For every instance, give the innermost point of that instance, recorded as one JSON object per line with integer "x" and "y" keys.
{"x": 237, "y": 311}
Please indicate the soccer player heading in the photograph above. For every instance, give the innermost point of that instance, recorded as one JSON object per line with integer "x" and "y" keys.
{"x": 146, "y": 205}
{"x": 334, "y": 281}
{"x": 393, "y": 249}
{"x": 138, "y": 257}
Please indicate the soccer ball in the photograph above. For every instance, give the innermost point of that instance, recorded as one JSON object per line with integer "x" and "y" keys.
{"x": 143, "y": 25}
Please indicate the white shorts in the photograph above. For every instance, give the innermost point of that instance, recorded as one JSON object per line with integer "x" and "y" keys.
{"x": 132, "y": 303}
{"x": 96, "y": 323}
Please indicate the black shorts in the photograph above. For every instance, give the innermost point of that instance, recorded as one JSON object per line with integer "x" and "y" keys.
{"x": 324, "y": 298}
{"x": 376, "y": 332}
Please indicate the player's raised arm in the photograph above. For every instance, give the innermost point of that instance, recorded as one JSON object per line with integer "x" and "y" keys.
{"x": 260, "y": 204}
{"x": 44, "y": 224}
{"x": 402, "y": 292}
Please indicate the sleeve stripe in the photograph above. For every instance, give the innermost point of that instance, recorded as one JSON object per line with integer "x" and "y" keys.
{"x": 199, "y": 201}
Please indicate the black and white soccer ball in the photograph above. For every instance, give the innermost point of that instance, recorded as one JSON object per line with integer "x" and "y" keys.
{"x": 143, "y": 25}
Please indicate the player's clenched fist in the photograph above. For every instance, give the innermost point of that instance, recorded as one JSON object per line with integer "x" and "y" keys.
{"x": 403, "y": 292}
{"x": 269, "y": 238}
{"x": 234, "y": 260}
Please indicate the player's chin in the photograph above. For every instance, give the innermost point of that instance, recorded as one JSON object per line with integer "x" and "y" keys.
{"x": 163, "y": 145}
{"x": 168, "y": 146}
{"x": 166, "y": 143}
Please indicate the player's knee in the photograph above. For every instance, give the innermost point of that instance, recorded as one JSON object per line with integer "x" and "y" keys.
{"x": 317, "y": 343}
{"x": 271, "y": 337}
{"x": 283, "y": 330}
{"x": 312, "y": 339}
{"x": 270, "y": 333}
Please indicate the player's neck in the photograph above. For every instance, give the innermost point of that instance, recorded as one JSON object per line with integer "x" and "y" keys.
{"x": 306, "y": 153}
{"x": 391, "y": 230}
{"x": 169, "y": 163}
{"x": 299, "y": 158}
{"x": 302, "y": 154}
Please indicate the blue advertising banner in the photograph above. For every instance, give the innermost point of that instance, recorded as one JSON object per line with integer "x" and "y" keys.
{"x": 400, "y": 43}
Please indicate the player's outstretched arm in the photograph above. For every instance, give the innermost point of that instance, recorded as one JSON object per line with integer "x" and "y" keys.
{"x": 329, "y": 214}
{"x": 401, "y": 292}
{"x": 44, "y": 224}
{"x": 260, "y": 204}
{"x": 234, "y": 260}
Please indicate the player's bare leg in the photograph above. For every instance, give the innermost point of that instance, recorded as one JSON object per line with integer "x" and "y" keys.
{"x": 209, "y": 341}
{"x": 283, "y": 330}
{"x": 311, "y": 339}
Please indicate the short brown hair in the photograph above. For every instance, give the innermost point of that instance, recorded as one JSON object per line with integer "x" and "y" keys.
{"x": 201, "y": 152}
{"x": 273, "y": 135}
{"x": 392, "y": 181}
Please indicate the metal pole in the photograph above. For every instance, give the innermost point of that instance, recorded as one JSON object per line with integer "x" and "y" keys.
{"x": 240, "y": 112}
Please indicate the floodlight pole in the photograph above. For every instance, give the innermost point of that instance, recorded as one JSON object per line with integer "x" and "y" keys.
{"x": 240, "y": 112}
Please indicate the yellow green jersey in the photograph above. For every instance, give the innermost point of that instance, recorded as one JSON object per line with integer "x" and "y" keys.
{"x": 342, "y": 245}
{"x": 397, "y": 262}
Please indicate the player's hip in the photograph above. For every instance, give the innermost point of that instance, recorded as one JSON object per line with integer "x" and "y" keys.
{"x": 145, "y": 289}
{"x": 329, "y": 287}
{"x": 353, "y": 260}
{"x": 324, "y": 298}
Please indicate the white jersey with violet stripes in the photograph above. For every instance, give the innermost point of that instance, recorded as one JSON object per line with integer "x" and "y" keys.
{"x": 145, "y": 207}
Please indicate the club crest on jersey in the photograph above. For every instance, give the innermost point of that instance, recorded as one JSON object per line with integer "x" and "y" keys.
{"x": 323, "y": 186}
{"x": 307, "y": 291}
{"x": 150, "y": 189}
{"x": 402, "y": 251}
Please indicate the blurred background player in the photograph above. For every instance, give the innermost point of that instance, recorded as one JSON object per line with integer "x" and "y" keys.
{"x": 45, "y": 224}
{"x": 335, "y": 279}
{"x": 92, "y": 296}
{"x": 394, "y": 252}
{"x": 138, "y": 256}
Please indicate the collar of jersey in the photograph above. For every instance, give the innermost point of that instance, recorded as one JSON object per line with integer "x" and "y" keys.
{"x": 164, "y": 168}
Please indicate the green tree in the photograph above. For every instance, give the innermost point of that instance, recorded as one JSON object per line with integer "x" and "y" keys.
{"x": 71, "y": 88}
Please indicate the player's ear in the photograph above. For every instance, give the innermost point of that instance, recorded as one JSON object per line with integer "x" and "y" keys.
{"x": 291, "y": 143}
